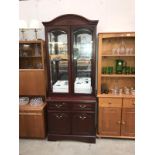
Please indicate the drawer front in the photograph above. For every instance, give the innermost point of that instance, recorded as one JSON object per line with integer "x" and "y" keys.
{"x": 110, "y": 102}
{"x": 58, "y": 106}
{"x": 83, "y": 106}
{"x": 128, "y": 103}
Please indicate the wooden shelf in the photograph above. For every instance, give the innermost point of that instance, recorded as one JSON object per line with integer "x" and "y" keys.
{"x": 34, "y": 70}
{"x": 30, "y": 57}
{"x": 118, "y": 75}
{"x": 116, "y": 55}
{"x": 31, "y": 41}
{"x": 117, "y": 96}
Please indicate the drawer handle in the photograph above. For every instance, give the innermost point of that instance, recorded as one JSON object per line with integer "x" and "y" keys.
{"x": 82, "y": 117}
{"x": 110, "y": 103}
{"x": 59, "y": 116}
{"x": 58, "y": 105}
{"x": 82, "y": 106}
{"x": 123, "y": 123}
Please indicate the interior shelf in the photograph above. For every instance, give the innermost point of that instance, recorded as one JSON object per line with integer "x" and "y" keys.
{"x": 116, "y": 55}
{"x": 117, "y": 96}
{"x": 118, "y": 75}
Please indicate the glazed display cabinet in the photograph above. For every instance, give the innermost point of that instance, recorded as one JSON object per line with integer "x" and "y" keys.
{"x": 116, "y": 85}
{"x": 31, "y": 68}
{"x": 71, "y": 56}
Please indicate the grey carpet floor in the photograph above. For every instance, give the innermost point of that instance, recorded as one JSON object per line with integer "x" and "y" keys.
{"x": 102, "y": 147}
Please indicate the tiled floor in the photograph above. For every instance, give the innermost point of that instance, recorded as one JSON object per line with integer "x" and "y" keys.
{"x": 102, "y": 147}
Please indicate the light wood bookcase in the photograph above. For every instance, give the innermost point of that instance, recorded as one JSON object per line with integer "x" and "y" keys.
{"x": 116, "y": 116}
{"x": 32, "y": 77}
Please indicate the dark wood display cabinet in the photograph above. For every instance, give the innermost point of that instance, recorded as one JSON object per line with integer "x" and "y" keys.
{"x": 71, "y": 57}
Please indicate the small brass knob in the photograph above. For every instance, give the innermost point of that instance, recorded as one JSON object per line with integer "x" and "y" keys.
{"x": 119, "y": 122}
{"x": 123, "y": 123}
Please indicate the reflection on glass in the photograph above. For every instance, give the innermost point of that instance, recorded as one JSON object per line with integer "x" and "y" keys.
{"x": 82, "y": 47}
{"x": 57, "y": 47}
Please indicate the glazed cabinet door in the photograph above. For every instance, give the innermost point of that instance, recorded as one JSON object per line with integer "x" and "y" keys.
{"x": 83, "y": 123}
{"x": 109, "y": 121}
{"x": 59, "y": 122}
{"x": 83, "y": 61}
{"x": 128, "y": 122}
{"x": 58, "y": 51}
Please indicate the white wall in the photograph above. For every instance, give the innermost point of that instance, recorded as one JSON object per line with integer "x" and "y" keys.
{"x": 113, "y": 15}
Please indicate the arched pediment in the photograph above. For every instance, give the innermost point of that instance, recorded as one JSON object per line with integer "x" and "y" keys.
{"x": 70, "y": 19}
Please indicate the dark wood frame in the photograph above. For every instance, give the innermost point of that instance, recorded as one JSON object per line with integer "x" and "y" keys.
{"x": 69, "y": 23}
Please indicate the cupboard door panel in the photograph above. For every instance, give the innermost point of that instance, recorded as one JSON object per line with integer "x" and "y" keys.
{"x": 129, "y": 103}
{"x": 110, "y": 102}
{"x": 83, "y": 123}
{"x": 31, "y": 125}
{"x": 128, "y": 122}
{"x": 31, "y": 83}
{"x": 59, "y": 122}
{"x": 109, "y": 121}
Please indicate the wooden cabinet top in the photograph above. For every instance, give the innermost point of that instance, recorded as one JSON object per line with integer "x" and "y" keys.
{"x": 116, "y": 34}
{"x": 31, "y": 41}
{"x": 30, "y": 108}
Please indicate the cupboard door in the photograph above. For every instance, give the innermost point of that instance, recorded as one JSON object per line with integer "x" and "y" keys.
{"x": 59, "y": 122}
{"x": 31, "y": 82}
{"x": 31, "y": 125}
{"x": 128, "y": 122}
{"x": 109, "y": 121}
{"x": 83, "y": 123}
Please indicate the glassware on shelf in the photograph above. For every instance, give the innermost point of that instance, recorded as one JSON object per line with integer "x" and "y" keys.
{"x": 132, "y": 70}
{"x": 37, "y": 50}
{"x": 126, "y": 90}
{"x": 119, "y": 66}
{"x": 132, "y": 91}
{"x": 118, "y": 51}
{"x": 120, "y": 91}
{"x": 23, "y": 100}
{"x": 127, "y": 51}
{"x": 114, "y": 51}
{"x": 132, "y": 51}
{"x": 104, "y": 70}
{"x": 122, "y": 48}
{"x": 109, "y": 69}
{"x": 36, "y": 101}
{"x": 114, "y": 91}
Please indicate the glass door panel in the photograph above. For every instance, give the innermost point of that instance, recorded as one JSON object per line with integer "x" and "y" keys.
{"x": 82, "y": 54}
{"x": 58, "y": 55}
{"x": 30, "y": 56}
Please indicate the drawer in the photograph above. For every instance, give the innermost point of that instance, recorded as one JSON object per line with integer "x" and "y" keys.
{"x": 110, "y": 102}
{"x": 128, "y": 103}
{"x": 58, "y": 106}
{"x": 83, "y": 106}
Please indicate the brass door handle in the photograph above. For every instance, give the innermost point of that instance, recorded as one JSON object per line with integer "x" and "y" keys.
{"x": 82, "y": 117}
{"x": 82, "y": 106}
{"x": 118, "y": 122}
{"x": 123, "y": 123}
{"x": 58, "y": 105}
